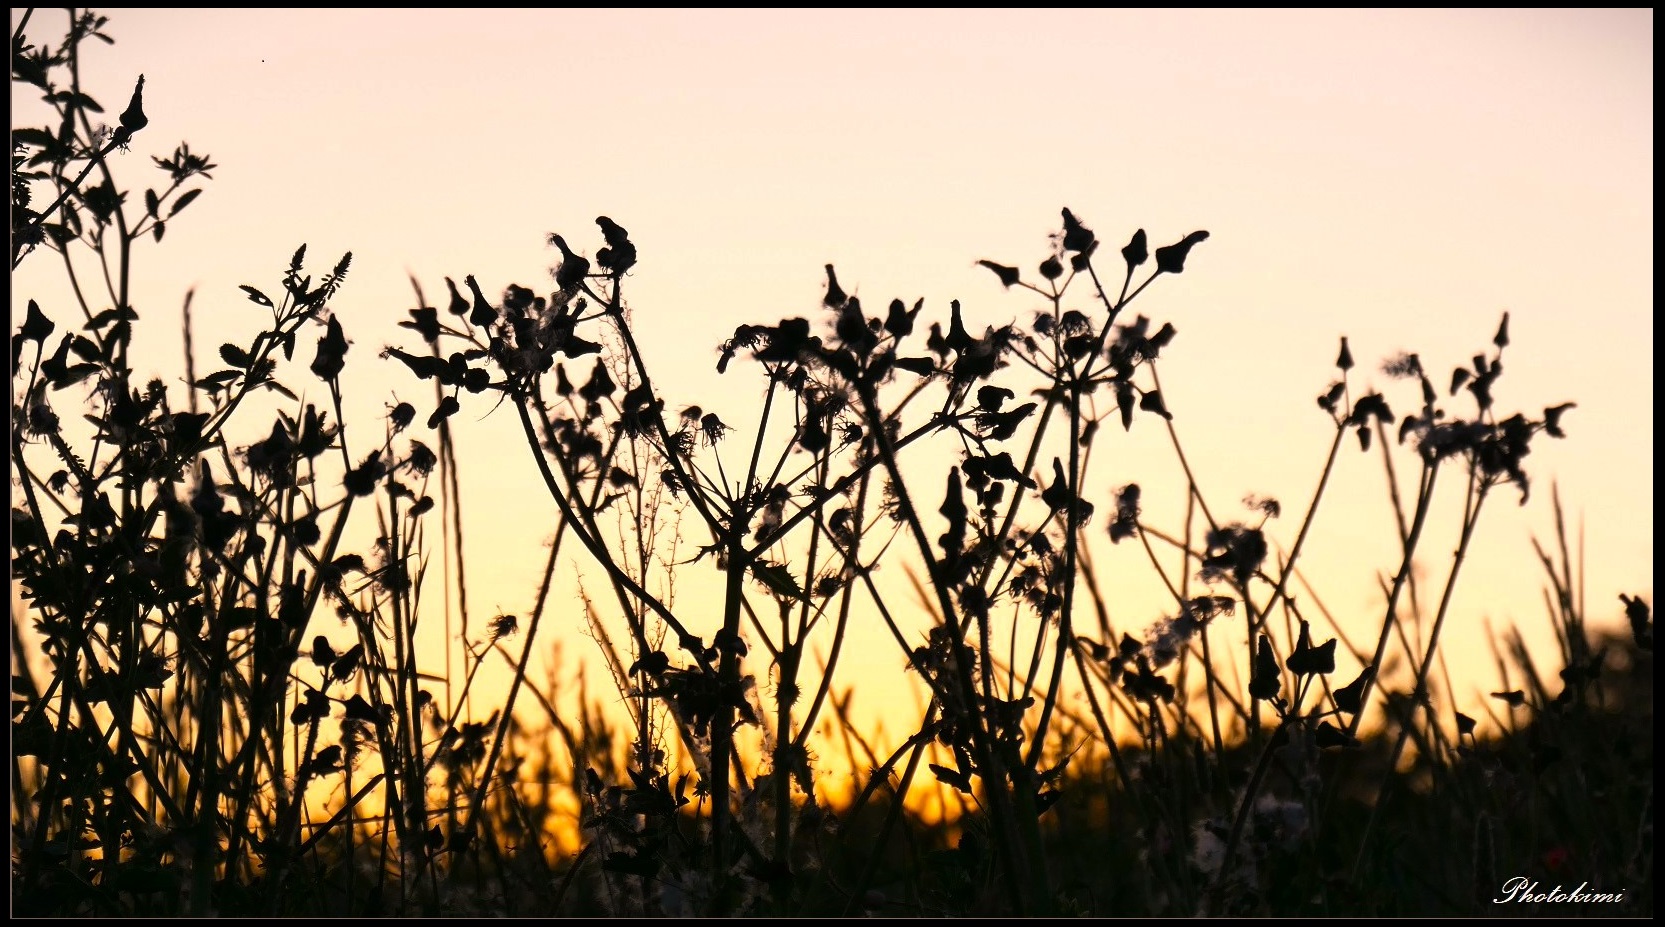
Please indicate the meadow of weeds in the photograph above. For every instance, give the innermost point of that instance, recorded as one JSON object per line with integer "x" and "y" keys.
{"x": 220, "y": 709}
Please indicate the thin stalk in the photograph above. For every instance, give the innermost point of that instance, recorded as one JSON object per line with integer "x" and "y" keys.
{"x": 722, "y": 726}
{"x": 599, "y": 552}
{"x": 1216, "y": 891}
{"x": 1306, "y": 524}
{"x": 993, "y": 769}
{"x": 1424, "y": 501}
{"x": 477, "y": 801}
{"x": 1419, "y": 695}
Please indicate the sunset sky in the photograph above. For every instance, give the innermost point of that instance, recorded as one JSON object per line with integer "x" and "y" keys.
{"x": 1399, "y": 177}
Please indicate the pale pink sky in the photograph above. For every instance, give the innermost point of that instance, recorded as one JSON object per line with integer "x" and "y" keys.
{"x": 1400, "y": 177}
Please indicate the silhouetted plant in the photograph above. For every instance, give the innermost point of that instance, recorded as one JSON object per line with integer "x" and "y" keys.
{"x": 193, "y": 734}
{"x": 852, "y": 388}
{"x": 172, "y": 573}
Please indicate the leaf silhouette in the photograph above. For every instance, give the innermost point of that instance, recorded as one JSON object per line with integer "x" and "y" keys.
{"x": 573, "y": 269}
{"x": 1308, "y": 660}
{"x": 1077, "y": 237}
{"x": 1009, "y": 276}
{"x": 1171, "y": 259}
{"x": 1264, "y": 683}
{"x": 1151, "y": 401}
{"x": 899, "y": 322}
{"x": 332, "y": 352}
{"x": 778, "y": 579}
{"x": 1350, "y": 698}
{"x": 835, "y": 295}
{"x": 255, "y": 296}
{"x": 1136, "y": 251}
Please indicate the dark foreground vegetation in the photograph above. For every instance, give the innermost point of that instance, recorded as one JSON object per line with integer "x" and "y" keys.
{"x": 219, "y": 708}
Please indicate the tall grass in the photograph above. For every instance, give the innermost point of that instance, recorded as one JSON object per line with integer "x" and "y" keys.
{"x": 220, "y": 709}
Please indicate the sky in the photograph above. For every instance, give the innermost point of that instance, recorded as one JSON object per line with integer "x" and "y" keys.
{"x": 1402, "y": 178}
